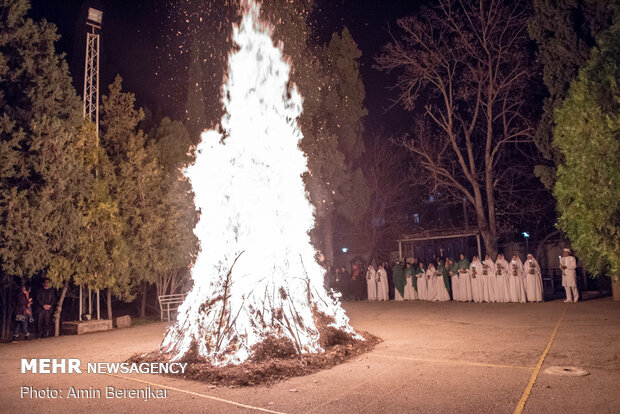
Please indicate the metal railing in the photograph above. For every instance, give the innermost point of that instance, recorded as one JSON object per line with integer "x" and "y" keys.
{"x": 168, "y": 305}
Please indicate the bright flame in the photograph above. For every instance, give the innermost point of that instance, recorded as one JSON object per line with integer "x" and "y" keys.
{"x": 256, "y": 275}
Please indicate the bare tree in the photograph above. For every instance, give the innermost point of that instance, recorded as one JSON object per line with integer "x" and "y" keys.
{"x": 385, "y": 167}
{"x": 468, "y": 65}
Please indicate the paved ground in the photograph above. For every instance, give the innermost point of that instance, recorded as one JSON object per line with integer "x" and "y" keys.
{"x": 436, "y": 358}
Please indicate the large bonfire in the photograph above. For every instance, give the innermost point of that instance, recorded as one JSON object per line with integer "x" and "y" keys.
{"x": 256, "y": 279}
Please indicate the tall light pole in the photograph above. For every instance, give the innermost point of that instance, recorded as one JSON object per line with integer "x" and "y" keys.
{"x": 91, "y": 100}
{"x": 91, "y": 70}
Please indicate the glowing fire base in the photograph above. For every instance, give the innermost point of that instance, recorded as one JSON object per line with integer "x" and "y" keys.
{"x": 256, "y": 279}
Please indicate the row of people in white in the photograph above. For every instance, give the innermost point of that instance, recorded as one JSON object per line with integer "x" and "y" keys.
{"x": 501, "y": 281}
{"x": 428, "y": 285}
{"x": 485, "y": 281}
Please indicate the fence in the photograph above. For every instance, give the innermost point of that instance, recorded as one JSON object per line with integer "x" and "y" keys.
{"x": 168, "y": 305}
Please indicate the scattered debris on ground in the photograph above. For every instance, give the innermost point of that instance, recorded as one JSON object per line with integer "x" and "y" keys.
{"x": 273, "y": 361}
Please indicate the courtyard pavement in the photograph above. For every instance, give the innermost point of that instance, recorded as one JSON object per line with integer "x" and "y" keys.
{"x": 436, "y": 357}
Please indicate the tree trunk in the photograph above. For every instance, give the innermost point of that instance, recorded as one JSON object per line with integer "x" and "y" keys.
{"x": 173, "y": 283}
{"x": 58, "y": 312}
{"x": 491, "y": 206}
{"x": 490, "y": 241}
{"x": 615, "y": 288}
{"x": 8, "y": 305}
{"x": 328, "y": 234}
{"x": 109, "y": 302}
{"x": 5, "y": 311}
{"x": 145, "y": 289}
{"x": 490, "y": 244}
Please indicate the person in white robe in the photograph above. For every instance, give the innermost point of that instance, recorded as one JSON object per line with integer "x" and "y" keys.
{"x": 568, "y": 265}
{"x": 516, "y": 280}
{"x": 382, "y": 284}
{"x": 489, "y": 280}
{"x": 410, "y": 293}
{"x": 502, "y": 291}
{"x": 371, "y": 282}
{"x": 475, "y": 272}
{"x": 420, "y": 274}
{"x": 431, "y": 282}
{"x": 533, "y": 280}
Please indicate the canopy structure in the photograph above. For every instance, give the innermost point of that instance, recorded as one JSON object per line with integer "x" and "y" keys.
{"x": 406, "y": 244}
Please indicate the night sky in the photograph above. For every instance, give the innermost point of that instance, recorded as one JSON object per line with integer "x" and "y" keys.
{"x": 147, "y": 43}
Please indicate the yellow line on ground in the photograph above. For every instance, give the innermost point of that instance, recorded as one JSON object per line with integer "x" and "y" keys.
{"x": 197, "y": 394}
{"x": 530, "y": 384}
{"x": 448, "y": 361}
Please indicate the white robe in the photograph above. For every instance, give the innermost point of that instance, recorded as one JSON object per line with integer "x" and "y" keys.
{"x": 382, "y": 285}
{"x": 371, "y": 283}
{"x": 441, "y": 293}
{"x": 431, "y": 283}
{"x": 465, "y": 285}
{"x": 502, "y": 291}
{"x": 456, "y": 289}
{"x": 533, "y": 281}
{"x": 422, "y": 286}
{"x": 569, "y": 275}
{"x": 516, "y": 281}
{"x": 410, "y": 293}
{"x": 475, "y": 272}
{"x": 489, "y": 281}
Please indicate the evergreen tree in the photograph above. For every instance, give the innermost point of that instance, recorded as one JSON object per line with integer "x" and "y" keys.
{"x": 42, "y": 173}
{"x": 343, "y": 108}
{"x": 155, "y": 203}
{"x": 124, "y": 191}
{"x": 174, "y": 241}
{"x": 588, "y": 180}
{"x": 565, "y": 31}
{"x": 331, "y": 123}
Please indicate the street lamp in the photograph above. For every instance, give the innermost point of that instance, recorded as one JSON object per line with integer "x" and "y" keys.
{"x": 527, "y": 237}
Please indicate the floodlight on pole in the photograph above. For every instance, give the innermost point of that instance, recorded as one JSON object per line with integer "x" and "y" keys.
{"x": 95, "y": 16}
{"x": 91, "y": 72}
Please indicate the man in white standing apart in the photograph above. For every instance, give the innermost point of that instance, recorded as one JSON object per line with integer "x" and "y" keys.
{"x": 371, "y": 282}
{"x": 568, "y": 265}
